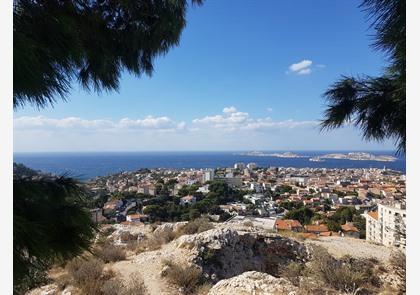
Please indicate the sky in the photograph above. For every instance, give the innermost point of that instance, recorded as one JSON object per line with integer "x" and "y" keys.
{"x": 247, "y": 75}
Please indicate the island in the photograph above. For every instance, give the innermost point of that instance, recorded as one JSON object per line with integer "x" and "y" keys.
{"x": 277, "y": 155}
{"x": 359, "y": 156}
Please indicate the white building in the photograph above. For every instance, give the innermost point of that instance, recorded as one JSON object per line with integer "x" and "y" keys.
{"x": 387, "y": 225}
{"x": 239, "y": 166}
{"x": 251, "y": 166}
{"x": 187, "y": 200}
{"x": 208, "y": 175}
{"x": 256, "y": 187}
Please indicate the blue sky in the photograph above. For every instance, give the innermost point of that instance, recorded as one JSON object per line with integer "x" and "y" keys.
{"x": 246, "y": 75}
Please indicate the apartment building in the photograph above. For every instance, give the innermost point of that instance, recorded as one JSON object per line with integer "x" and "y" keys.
{"x": 387, "y": 225}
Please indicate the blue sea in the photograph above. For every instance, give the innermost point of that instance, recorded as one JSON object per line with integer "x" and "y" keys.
{"x": 88, "y": 165}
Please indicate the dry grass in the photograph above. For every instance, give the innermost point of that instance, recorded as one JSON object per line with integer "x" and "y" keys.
{"x": 295, "y": 235}
{"x": 195, "y": 226}
{"x": 155, "y": 241}
{"x": 186, "y": 277}
{"x": 203, "y": 289}
{"x": 86, "y": 274}
{"x": 248, "y": 223}
{"x": 134, "y": 286}
{"x": 110, "y": 253}
{"x": 398, "y": 263}
{"x": 293, "y": 271}
{"x": 127, "y": 236}
{"x": 346, "y": 275}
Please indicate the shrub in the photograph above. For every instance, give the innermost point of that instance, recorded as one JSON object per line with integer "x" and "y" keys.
{"x": 108, "y": 231}
{"x": 203, "y": 289}
{"x": 135, "y": 286}
{"x": 398, "y": 263}
{"x": 248, "y": 223}
{"x": 293, "y": 271}
{"x": 110, "y": 253}
{"x": 86, "y": 274}
{"x": 127, "y": 236}
{"x": 196, "y": 226}
{"x": 187, "y": 277}
{"x": 112, "y": 287}
{"x": 347, "y": 275}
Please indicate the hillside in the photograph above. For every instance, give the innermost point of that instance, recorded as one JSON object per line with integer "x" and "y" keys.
{"x": 209, "y": 258}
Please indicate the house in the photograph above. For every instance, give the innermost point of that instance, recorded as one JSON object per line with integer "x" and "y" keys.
{"x": 349, "y": 230}
{"x": 288, "y": 224}
{"x": 187, "y": 200}
{"x": 133, "y": 217}
{"x": 112, "y": 206}
{"x": 137, "y": 217}
{"x": 316, "y": 228}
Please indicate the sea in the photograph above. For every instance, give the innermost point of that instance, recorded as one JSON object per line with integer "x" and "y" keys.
{"x": 88, "y": 165}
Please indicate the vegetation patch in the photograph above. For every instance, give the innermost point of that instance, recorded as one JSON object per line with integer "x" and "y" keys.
{"x": 110, "y": 253}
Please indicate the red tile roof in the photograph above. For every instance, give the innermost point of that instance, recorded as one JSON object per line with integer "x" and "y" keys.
{"x": 287, "y": 224}
{"x": 373, "y": 214}
{"x": 349, "y": 227}
{"x": 316, "y": 228}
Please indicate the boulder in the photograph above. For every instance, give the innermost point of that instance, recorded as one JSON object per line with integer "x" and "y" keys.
{"x": 253, "y": 282}
{"x": 224, "y": 252}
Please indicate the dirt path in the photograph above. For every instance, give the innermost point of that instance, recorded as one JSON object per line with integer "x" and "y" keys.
{"x": 149, "y": 265}
{"x": 338, "y": 247}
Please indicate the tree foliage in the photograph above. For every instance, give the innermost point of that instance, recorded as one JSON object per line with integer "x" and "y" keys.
{"x": 49, "y": 223}
{"x": 304, "y": 215}
{"x": 57, "y": 43}
{"x": 376, "y": 105}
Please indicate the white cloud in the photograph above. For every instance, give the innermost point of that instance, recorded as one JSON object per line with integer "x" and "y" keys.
{"x": 302, "y": 65}
{"x": 269, "y": 109}
{"x": 230, "y": 109}
{"x": 304, "y": 71}
{"x": 232, "y": 129}
{"x": 75, "y": 123}
{"x": 234, "y": 121}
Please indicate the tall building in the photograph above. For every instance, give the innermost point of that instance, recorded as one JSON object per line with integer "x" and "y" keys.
{"x": 208, "y": 175}
{"x": 251, "y": 166}
{"x": 387, "y": 225}
{"x": 239, "y": 166}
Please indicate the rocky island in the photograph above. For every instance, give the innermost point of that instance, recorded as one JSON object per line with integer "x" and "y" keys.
{"x": 357, "y": 157}
{"x": 277, "y": 155}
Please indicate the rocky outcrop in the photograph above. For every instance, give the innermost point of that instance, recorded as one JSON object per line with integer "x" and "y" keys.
{"x": 224, "y": 253}
{"x": 168, "y": 228}
{"x": 253, "y": 283}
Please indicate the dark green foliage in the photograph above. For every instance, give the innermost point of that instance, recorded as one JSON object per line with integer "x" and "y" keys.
{"x": 304, "y": 215}
{"x": 56, "y": 43}
{"x": 291, "y": 205}
{"x": 333, "y": 225}
{"x": 344, "y": 214}
{"x": 49, "y": 223}
{"x": 377, "y": 105}
{"x": 188, "y": 190}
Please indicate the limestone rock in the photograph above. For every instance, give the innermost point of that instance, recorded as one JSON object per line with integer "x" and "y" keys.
{"x": 253, "y": 283}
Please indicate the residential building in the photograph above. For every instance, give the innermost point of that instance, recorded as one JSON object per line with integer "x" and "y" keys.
{"x": 288, "y": 224}
{"x": 349, "y": 230}
{"x": 208, "y": 175}
{"x": 187, "y": 200}
{"x": 387, "y": 225}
